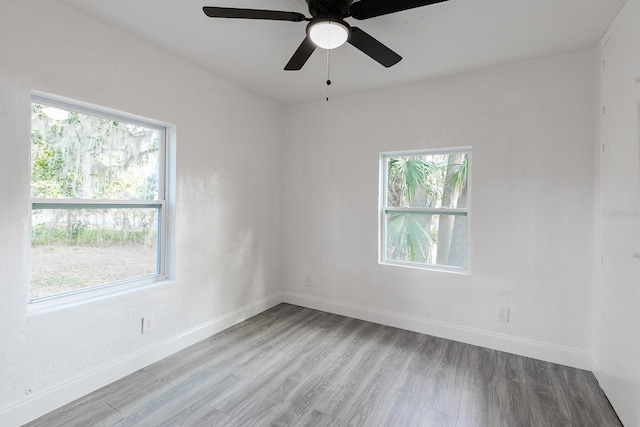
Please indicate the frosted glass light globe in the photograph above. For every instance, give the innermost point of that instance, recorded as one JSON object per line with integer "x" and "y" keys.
{"x": 328, "y": 34}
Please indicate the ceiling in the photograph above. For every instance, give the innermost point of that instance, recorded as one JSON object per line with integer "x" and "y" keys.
{"x": 445, "y": 38}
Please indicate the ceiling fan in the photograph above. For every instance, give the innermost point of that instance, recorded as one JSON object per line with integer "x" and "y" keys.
{"x": 327, "y": 28}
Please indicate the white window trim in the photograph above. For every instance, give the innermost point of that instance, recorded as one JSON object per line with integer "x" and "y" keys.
{"x": 165, "y": 203}
{"x": 383, "y": 210}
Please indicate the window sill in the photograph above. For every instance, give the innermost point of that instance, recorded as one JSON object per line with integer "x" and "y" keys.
{"x": 435, "y": 268}
{"x": 56, "y": 303}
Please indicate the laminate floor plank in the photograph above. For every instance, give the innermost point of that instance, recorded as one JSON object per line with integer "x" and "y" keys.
{"x": 293, "y": 366}
{"x": 269, "y": 329}
{"x": 180, "y": 370}
{"x": 281, "y": 310}
{"x": 127, "y": 389}
{"x": 430, "y": 418}
{"x": 510, "y": 367}
{"x": 200, "y": 416}
{"x": 319, "y": 419}
{"x": 337, "y": 344}
{"x": 537, "y": 372}
{"x": 374, "y": 399}
{"x": 79, "y": 413}
{"x": 361, "y": 376}
{"x": 256, "y": 409}
{"x": 287, "y": 342}
{"x": 190, "y": 414}
{"x": 579, "y": 398}
{"x": 100, "y": 407}
{"x": 605, "y": 405}
{"x": 183, "y": 379}
{"x": 287, "y": 404}
{"x": 298, "y": 361}
{"x": 211, "y": 349}
{"x": 445, "y": 388}
{"x": 252, "y": 332}
{"x": 362, "y": 410}
{"x": 329, "y": 343}
{"x": 478, "y": 392}
{"x": 547, "y": 407}
{"x": 174, "y": 404}
{"x": 301, "y": 406}
{"x": 352, "y": 348}
{"x": 276, "y": 374}
{"x": 429, "y": 359}
{"x": 511, "y": 407}
{"x": 405, "y": 404}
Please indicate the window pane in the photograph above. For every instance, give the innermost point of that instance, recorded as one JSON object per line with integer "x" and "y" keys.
{"x": 72, "y": 249}
{"x": 427, "y": 181}
{"x": 427, "y": 239}
{"x": 79, "y": 155}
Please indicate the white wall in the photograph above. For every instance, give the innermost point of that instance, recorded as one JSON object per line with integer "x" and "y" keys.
{"x": 532, "y": 129}
{"x": 228, "y": 183}
{"x": 618, "y": 288}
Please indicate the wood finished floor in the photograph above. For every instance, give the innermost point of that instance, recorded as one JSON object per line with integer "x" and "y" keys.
{"x": 293, "y": 366}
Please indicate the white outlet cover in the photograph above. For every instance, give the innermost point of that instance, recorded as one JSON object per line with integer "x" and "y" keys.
{"x": 148, "y": 324}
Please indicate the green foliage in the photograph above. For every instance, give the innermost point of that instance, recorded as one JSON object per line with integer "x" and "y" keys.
{"x": 81, "y": 235}
{"x": 89, "y": 157}
{"x": 407, "y": 175}
{"x": 460, "y": 174}
{"x": 407, "y": 239}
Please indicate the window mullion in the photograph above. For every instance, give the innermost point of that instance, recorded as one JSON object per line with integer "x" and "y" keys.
{"x": 93, "y": 204}
{"x": 431, "y": 211}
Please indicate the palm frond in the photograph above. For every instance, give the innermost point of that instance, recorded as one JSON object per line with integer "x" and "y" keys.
{"x": 459, "y": 178}
{"x": 409, "y": 174}
{"x": 407, "y": 239}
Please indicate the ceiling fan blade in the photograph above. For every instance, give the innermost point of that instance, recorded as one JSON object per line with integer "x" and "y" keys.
{"x": 273, "y": 15}
{"x": 303, "y": 53}
{"x": 372, "y": 47}
{"x": 365, "y": 9}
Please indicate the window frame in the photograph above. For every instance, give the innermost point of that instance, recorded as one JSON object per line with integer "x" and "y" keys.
{"x": 383, "y": 209}
{"x": 162, "y": 203}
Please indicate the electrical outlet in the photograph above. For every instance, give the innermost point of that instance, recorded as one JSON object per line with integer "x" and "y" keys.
{"x": 148, "y": 324}
{"x": 503, "y": 314}
{"x": 307, "y": 281}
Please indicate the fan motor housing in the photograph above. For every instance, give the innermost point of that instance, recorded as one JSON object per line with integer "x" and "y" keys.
{"x": 329, "y": 8}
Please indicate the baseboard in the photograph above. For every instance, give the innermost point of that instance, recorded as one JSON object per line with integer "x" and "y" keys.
{"x": 524, "y": 347}
{"x": 46, "y": 401}
{"x": 596, "y": 369}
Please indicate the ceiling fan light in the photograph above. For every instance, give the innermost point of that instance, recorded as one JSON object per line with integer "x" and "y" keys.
{"x": 328, "y": 34}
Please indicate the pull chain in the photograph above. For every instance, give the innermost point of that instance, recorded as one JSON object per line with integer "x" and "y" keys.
{"x": 328, "y": 72}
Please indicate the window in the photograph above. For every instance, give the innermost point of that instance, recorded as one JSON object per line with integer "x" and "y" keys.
{"x": 424, "y": 197}
{"x": 98, "y": 199}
